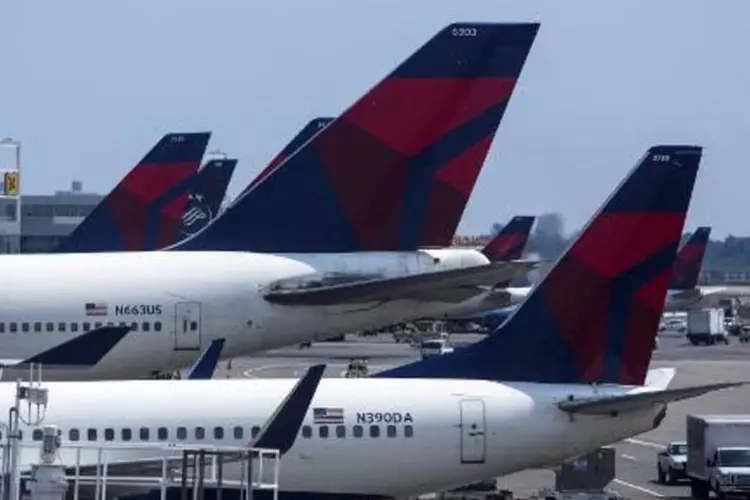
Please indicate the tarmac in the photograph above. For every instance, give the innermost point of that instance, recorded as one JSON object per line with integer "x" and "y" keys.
{"x": 636, "y": 457}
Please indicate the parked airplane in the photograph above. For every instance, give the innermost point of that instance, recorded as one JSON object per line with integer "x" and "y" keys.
{"x": 143, "y": 211}
{"x": 683, "y": 292}
{"x": 483, "y": 411}
{"x": 175, "y": 302}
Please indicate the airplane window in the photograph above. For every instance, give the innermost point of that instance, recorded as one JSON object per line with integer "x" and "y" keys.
{"x": 200, "y": 433}
{"x": 109, "y": 434}
{"x": 157, "y": 326}
{"x": 391, "y": 431}
{"x": 374, "y": 431}
{"x": 91, "y": 434}
{"x": 162, "y": 433}
{"x": 37, "y": 435}
{"x": 123, "y": 324}
{"x": 408, "y": 431}
{"x": 97, "y": 325}
{"x": 218, "y": 432}
{"x": 110, "y": 323}
{"x": 134, "y": 327}
{"x": 20, "y": 435}
{"x": 61, "y": 327}
{"x": 13, "y": 327}
{"x": 145, "y": 326}
{"x": 143, "y": 433}
{"x": 126, "y": 434}
{"x": 357, "y": 431}
{"x": 38, "y": 326}
{"x": 73, "y": 435}
{"x": 306, "y": 431}
{"x": 237, "y": 432}
{"x": 2, "y": 327}
{"x": 181, "y": 433}
{"x": 256, "y": 430}
{"x": 86, "y": 326}
{"x": 340, "y": 431}
{"x": 323, "y": 431}
{"x": 74, "y": 327}
{"x": 25, "y": 327}
{"x": 50, "y": 327}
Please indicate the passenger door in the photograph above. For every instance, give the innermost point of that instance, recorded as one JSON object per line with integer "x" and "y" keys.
{"x": 472, "y": 426}
{"x": 187, "y": 326}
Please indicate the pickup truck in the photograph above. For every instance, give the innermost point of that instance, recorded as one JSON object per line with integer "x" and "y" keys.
{"x": 437, "y": 347}
{"x": 671, "y": 461}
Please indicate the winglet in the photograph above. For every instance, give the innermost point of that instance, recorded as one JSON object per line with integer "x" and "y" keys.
{"x": 593, "y": 318}
{"x": 280, "y": 431}
{"x": 205, "y": 367}
{"x": 85, "y": 350}
{"x": 395, "y": 171}
{"x": 687, "y": 266}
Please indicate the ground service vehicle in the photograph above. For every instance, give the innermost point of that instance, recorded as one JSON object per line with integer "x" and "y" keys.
{"x": 671, "y": 461}
{"x": 436, "y": 347}
{"x": 718, "y": 455}
{"x": 706, "y": 326}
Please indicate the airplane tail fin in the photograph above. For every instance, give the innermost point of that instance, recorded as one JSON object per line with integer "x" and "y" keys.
{"x": 509, "y": 243}
{"x": 395, "y": 170}
{"x": 85, "y": 350}
{"x": 204, "y": 200}
{"x": 144, "y": 209}
{"x": 309, "y": 131}
{"x": 594, "y": 316}
{"x": 687, "y": 266}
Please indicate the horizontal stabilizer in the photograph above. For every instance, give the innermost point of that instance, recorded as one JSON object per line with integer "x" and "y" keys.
{"x": 84, "y": 350}
{"x": 450, "y": 286}
{"x": 205, "y": 367}
{"x": 629, "y": 402}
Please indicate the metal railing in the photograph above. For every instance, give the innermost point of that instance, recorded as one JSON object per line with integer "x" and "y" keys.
{"x": 159, "y": 466}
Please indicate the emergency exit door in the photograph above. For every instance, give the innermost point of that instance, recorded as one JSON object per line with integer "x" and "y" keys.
{"x": 473, "y": 438}
{"x": 187, "y": 326}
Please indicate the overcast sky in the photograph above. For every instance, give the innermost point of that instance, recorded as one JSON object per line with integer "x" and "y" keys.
{"x": 89, "y": 86}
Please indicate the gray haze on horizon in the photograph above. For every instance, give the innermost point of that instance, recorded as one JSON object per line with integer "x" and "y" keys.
{"x": 88, "y": 87}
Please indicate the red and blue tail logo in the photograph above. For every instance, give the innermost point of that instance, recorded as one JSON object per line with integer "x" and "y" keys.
{"x": 144, "y": 211}
{"x": 395, "y": 170}
{"x": 509, "y": 243}
{"x": 594, "y": 316}
{"x": 204, "y": 200}
{"x": 313, "y": 128}
{"x": 687, "y": 267}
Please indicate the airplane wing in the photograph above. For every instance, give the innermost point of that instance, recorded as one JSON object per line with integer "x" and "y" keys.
{"x": 84, "y": 350}
{"x": 279, "y": 433}
{"x": 451, "y": 286}
{"x": 609, "y": 405}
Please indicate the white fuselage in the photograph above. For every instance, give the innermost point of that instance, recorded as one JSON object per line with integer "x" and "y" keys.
{"x": 460, "y": 431}
{"x": 180, "y": 301}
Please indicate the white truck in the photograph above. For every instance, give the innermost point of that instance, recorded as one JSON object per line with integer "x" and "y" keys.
{"x": 718, "y": 455}
{"x": 671, "y": 461}
{"x": 435, "y": 347}
{"x": 706, "y": 326}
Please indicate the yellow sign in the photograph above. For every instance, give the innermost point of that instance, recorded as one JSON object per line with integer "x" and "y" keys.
{"x": 10, "y": 183}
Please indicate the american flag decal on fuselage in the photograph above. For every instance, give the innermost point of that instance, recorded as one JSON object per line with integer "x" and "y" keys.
{"x": 96, "y": 309}
{"x": 328, "y": 415}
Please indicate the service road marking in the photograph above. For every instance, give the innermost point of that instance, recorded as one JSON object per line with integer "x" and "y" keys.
{"x": 639, "y": 488}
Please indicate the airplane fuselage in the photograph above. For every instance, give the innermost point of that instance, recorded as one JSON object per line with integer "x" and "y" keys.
{"x": 177, "y": 302}
{"x": 380, "y": 436}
